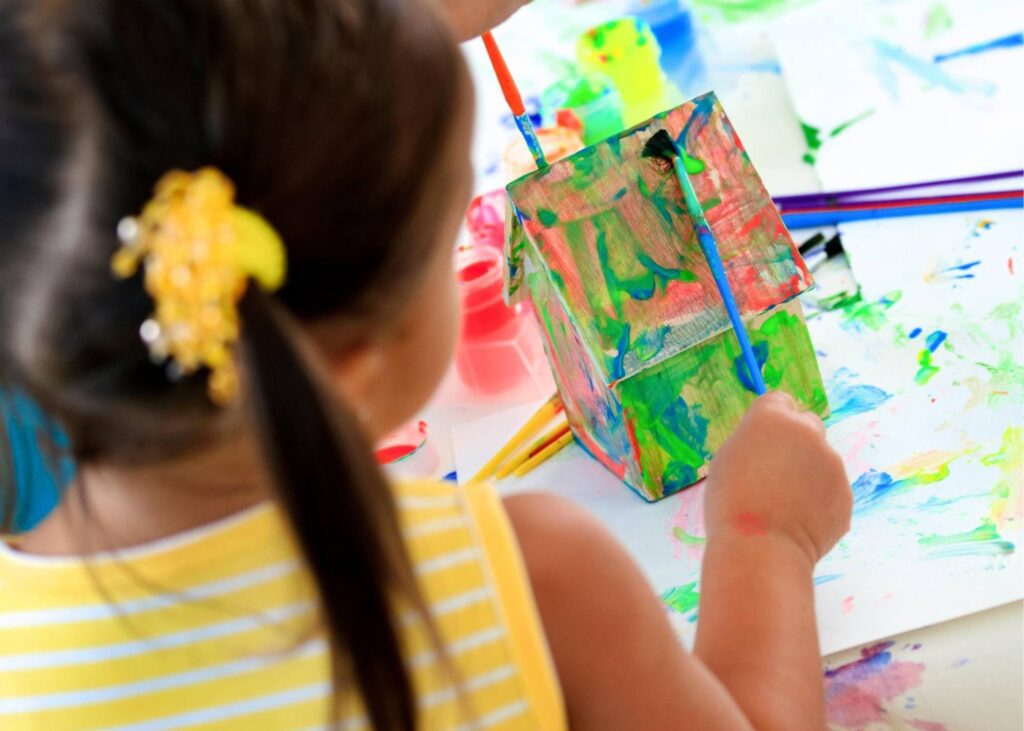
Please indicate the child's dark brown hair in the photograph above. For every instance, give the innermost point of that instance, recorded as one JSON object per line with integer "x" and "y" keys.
{"x": 330, "y": 116}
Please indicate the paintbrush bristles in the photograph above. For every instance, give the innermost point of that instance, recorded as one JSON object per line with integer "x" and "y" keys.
{"x": 661, "y": 145}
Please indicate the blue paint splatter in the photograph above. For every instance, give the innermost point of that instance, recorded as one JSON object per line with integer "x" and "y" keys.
{"x": 849, "y": 399}
{"x": 651, "y": 343}
{"x": 743, "y": 372}
{"x": 699, "y": 118}
{"x": 922, "y": 68}
{"x": 873, "y": 660}
{"x": 618, "y": 364}
{"x": 825, "y": 578}
{"x": 914, "y": 333}
{"x": 1010, "y": 41}
{"x": 963, "y": 268}
{"x": 871, "y": 487}
{"x": 934, "y": 340}
{"x": 855, "y": 399}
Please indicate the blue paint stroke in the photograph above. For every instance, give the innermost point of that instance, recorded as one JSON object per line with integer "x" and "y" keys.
{"x": 619, "y": 363}
{"x": 934, "y": 340}
{"x": 743, "y": 369}
{"x": 914, "y": 333}
{"x": 825, "y": 578}
{"x": 530, "y": 136}
{"x": 922, "y": 68}
{"x": 849, "y": 399}
{"x": 1010, "y": 41}
{"x": 871, "y": 488}
{"x": 651, "y": 343}
{"x": 763, "y": 67}
{"x": 963, "y": 268}
{"x": 700, "y": 117}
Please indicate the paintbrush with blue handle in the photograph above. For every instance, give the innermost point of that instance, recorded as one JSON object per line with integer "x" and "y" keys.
{"x": 662, "y": 146}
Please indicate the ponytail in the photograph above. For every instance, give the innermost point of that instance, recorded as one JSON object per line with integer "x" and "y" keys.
{"x": 341, "y": 510}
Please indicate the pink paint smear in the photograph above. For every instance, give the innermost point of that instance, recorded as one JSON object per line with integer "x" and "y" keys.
{"x": 857, "y": 694}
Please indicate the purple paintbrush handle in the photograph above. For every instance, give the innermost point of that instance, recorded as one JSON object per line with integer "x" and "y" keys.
{"x": 808, "y": 200}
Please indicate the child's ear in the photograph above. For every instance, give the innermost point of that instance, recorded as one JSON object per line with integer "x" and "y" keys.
{"x": 357, "y": 372}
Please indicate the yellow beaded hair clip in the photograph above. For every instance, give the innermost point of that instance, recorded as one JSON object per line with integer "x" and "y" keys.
{"x": 199, "y": 250}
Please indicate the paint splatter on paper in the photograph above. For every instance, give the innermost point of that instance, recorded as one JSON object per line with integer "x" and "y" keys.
{"x": 861, "y": 694}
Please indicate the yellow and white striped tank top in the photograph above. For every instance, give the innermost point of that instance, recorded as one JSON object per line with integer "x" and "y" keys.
{"x": 211, "y": 629}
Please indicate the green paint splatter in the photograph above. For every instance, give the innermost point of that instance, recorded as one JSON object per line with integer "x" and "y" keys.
{"x": 710, "y": 203}
{"x": 737, "y": 11}
{"x": 1006, "y": 501}
{"x": 692, "y": 165}
{"x": 849, "y": 123}
{"x": 839, "y": 301}
{"x": 938, "y": 21}
{"x": 927, "y": 370}
{"x": 812, "y": 136}
{"x": 682, "y": 599}
{"x": 686, "y": 539}
{"x": 546, "y": 217}
{"x": 982, "y": 541}
{"x": 984, "y": 532}
{"x": 808, "y": 158}
{"x": 859, "y": 314}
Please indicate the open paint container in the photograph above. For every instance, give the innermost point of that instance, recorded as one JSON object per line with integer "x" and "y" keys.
{"x": 408, "y": 452}
{"x": 500, "y": 346}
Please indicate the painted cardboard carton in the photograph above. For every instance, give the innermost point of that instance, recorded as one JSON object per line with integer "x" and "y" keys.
{"x": 641, "y": 346}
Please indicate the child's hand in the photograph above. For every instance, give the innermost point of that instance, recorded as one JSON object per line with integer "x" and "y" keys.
{"x": 777, "y": 475}
{"x": 470, "y": 18}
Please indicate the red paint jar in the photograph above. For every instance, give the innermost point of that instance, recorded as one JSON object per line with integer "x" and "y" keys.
{"x": 499, "y": 345}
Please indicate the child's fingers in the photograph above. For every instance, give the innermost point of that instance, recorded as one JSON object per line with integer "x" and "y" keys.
{"x": 779, "y": 399}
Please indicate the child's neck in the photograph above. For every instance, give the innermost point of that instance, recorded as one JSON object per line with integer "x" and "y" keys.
{"x": 115, "y": 507}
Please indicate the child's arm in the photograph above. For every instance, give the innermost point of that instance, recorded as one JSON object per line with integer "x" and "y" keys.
{"x": 757, "y": 625}
{"x": 470, "y": 18}
{"x": 756, "y": 665}
{"x": 620, "y": 664}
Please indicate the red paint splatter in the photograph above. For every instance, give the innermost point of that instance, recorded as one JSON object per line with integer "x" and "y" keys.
{"x": 1009, "y": 265}
{"x": 750, "y": 524}
{"x": 847, "y": 605}
{"x": 857, "y": 693}
{"x": 631, "y": 433}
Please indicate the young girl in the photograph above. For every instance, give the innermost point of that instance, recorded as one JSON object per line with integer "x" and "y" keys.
{"x": 232, "y": 223}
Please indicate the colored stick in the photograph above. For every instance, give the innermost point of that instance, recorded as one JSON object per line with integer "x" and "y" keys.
{"x": 545, "y": 454}
{"x": 832, "y": 197}
{"x": 514, "y": 99}
{"x": 707, "y": 244}
{"x": 903, "y": 202}
{"x": 831, "y": 217}
{"x": 531, "y": 451}
{"x": 544, "y": 415}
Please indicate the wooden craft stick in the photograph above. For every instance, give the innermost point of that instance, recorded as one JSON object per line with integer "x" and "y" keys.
{"x": 545, "y": 414}
{"x": 519, "y": 459}
{"x": 544, "y": 455}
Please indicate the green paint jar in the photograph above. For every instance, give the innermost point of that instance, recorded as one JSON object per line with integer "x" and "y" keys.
{"x": 627, "y": 52}
{"x": 592, "y": 99}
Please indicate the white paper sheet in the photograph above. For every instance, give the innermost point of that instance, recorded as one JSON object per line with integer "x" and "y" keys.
{"x": 935, "y": 456}
{"x": 917, "y": 118}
